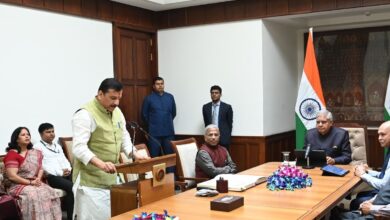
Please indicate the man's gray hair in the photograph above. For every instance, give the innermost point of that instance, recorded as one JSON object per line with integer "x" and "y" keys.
{"x": 327, "y": 114}
{"x": 209, "y": 127}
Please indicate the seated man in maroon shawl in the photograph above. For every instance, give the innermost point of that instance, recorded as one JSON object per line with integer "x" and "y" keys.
{"x": 213, "y": 159}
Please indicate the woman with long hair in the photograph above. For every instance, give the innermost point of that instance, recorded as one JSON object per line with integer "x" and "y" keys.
{"x": 23, "y": 170}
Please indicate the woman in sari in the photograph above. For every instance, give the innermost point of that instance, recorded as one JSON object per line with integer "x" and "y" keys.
{"x": 23, "y": 169}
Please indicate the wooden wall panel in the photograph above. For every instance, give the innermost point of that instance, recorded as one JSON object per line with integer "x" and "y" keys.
{"x": 321, "y": 5}
{"x": 234, "y": 10}
{"x": 126, "y": 64}
{"x": 375, "y": 2}
{"x": 249, "y": 9}
{"x": 89, "y": 8}
{"x": 136, "y": 18}
{"x": 104, "y": 9}
{"x": 214, "y": 13}
{"x": 349, "y": 3}
{"x": 256, "y": 8}
{"x": 34, "y": 3}
{"x": 128, "y": 102}
{"x": 162, "y": 19}
{"x": 195, "y": 16}
{"x": 54, "y": 5}
{"x": 299, "y": 6}
{"x": 142, "y": 67}
{"x": 146, "y": 19}
{"x": 277, "y": 7}
{"x": 72, "y": 7}
{"x": 277, "y": 143}
{"x": 247, "y": 152}
{"x": 177, "y": 17}
{"x": 13, "y": 1}
{"x": 132, "y": 16}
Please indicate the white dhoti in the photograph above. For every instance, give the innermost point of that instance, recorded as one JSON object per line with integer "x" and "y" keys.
{"x": 91, "y": 203}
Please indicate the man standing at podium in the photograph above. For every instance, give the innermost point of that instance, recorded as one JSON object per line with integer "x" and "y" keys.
{"x": 99, "y": 135}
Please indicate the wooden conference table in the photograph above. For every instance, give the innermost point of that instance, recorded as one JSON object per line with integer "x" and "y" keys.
{"x": 259, "y": 202}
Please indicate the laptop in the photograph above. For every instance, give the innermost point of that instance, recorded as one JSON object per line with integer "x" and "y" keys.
{"x": 317, "y": 157}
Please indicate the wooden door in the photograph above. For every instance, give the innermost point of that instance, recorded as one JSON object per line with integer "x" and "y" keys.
{"x": 135, "y": 67}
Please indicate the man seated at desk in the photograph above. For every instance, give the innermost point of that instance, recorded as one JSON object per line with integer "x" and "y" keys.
{"x": 378, "y": 205}
{"x": 213, "y": 159}
{"x": 334, "y": 141}
{"x": 375, "y": 179}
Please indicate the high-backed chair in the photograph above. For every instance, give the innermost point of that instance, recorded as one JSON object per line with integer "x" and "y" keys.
{"x": 67, "y": 144}
{"x": 186, "y": 151}
{"x": 358, "y": 138}
{"x": 123, "y": 158}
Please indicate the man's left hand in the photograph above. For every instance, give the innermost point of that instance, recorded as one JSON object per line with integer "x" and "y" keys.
{"x": 330, "y": 161}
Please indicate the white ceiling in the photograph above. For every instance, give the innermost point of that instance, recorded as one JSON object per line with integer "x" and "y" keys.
{"x": 160, "y": 5}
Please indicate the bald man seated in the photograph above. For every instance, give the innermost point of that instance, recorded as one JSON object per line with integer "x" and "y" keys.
{"x": 213, "y": 159}
{"x": 375, "y": 179}
{"x": 334, "y": 141}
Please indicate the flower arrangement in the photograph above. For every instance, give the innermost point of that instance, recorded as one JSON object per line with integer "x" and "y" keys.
{"x": 288, "y": 178}
{"x": 155, "y": 216}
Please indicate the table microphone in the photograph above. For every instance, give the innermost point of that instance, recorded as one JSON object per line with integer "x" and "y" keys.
{"x": 134, "y": 124}
{"x": 307, "y": 151}
{"x": 307, "y": 157}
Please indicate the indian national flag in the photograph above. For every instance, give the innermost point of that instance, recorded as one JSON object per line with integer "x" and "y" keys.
{"x": 310, "y": 98}
{"x": 387, "y": 103}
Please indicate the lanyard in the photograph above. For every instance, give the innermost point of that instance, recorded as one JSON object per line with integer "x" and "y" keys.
{"x": 54, "y": 151}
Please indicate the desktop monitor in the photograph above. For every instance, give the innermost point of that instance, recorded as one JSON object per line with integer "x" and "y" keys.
{"x": 317, "y": 157}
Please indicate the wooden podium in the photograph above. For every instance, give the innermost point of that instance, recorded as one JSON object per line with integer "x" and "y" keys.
{"x": 134, "y": 194}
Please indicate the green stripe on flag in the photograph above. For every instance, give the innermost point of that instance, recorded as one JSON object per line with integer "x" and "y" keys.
{"x": 386, "y": 115}
{"x": 299, "y": 133}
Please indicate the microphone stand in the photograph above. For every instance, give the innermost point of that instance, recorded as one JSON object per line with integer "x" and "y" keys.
{"x": 133, "y": 141}
{"x": 132, "y": 149}
{"x": 308, "y": 166}
{"x": 151, "y": 137}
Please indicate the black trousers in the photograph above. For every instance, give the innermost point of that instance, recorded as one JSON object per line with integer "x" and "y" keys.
{"x": 64, "y": 183}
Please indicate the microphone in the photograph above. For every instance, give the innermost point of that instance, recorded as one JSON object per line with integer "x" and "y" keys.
{"x": 307, "y": 151}
{"x": 308, "y": 166}
{"x": 133, "y": 125}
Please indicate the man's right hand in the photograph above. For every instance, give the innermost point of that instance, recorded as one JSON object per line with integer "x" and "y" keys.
{"x": 107, "y": 167}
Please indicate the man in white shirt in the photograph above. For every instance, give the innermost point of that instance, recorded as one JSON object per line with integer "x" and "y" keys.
{"x": 57, "y": 168}
{"x": 375, "y": 179}
{"x": 99, "y": 135}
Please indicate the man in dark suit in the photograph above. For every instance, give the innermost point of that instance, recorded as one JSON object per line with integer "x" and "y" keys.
{"x": 380, "y": 204}
{"x": 334, "y": 141}
{"x": 219, "y": 113}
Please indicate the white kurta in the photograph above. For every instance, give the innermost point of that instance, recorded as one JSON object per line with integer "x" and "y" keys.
{"x": 91, "y": 203}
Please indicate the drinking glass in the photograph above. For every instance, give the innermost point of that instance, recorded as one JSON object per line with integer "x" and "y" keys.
{"x": 286, "y": 157}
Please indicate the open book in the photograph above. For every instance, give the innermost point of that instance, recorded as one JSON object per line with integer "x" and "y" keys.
{"x": 236, "y": 182}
